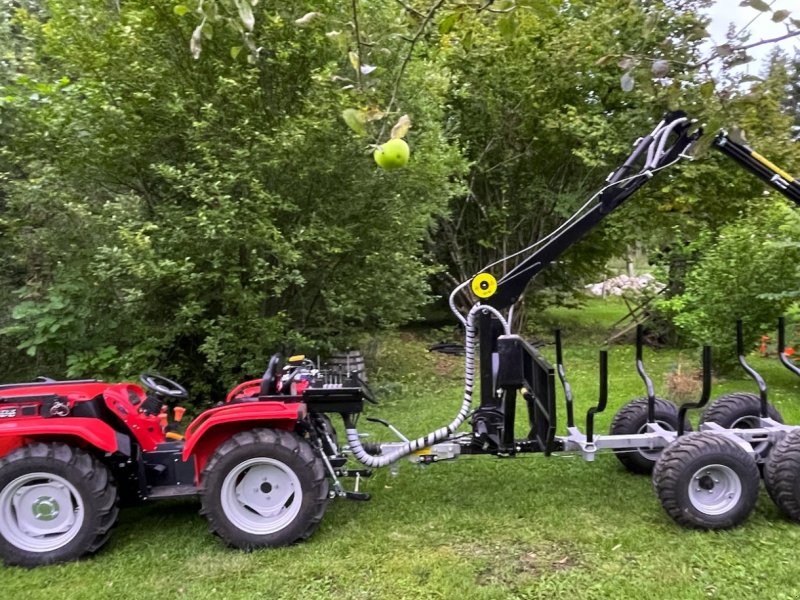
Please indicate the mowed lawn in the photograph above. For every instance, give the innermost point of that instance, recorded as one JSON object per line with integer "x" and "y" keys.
{"x": 480, "y": 527}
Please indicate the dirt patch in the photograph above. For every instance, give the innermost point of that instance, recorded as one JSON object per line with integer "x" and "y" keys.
{"x": 447, "y": 366}
{"x": 507, "y": 563}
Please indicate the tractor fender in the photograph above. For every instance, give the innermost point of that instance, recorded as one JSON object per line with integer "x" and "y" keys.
{"x": 216, "y": 425}
{"x": 85, "y": 431}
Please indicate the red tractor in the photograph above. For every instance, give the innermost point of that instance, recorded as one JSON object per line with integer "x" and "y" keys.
{"x": 260, "y": 461}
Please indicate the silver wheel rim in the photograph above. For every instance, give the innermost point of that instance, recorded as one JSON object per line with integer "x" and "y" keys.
{"x": 261, "y": 496}
{"x": 715, "y": 489}
{"x": 40, "y": 512}
{"x": 751, "y": 422}
{"x": 653, "y": 454}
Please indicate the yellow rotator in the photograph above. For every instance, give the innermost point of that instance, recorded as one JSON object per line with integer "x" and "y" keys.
{"x": 484, "y": 285}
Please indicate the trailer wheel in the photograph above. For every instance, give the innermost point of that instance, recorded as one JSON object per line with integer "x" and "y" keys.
{"x": 740, "y": 410}
{"x": 782, "y": 474}
{"x": 57, "y": 504}
{"x": 632, "y": 419}
{"x": 706, "y": 481}
{"x": 264, "y": 488}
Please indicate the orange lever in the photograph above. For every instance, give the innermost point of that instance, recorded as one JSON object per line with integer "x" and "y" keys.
{"x": 178, "y": 412}
{"x": 163, "y": 419}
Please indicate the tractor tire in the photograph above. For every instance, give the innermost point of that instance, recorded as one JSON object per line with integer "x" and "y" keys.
{"x": 706, "y": 481}
{"x": 782, "y": 475}
{"x": 740, "y": 410}
{"x": 632, "y": 419}
{"x": 57, "y": 504}
{"x": 264, "y": 488}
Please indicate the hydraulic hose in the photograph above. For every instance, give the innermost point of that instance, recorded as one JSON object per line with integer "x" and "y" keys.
{"x": 437, "y": 436}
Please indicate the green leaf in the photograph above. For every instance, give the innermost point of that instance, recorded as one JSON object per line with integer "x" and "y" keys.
{"x": 627, "y": 82}
{"x": 447, "y": 23}
{"x": 355, "y": 120}
{"x": 246, "y": 14}
{"x": 180, "y": 9}
{"x": 235, "y": 50}
{"x": 724, "y": 50}
{"x": 195, "y": 43}
{"x": 757, "y": 4}
{"x": 401, "y": 128}
{"x": 466, "y": 41}
{"x": 354, "y": 60}
{"x": 780, "y": 15}
{"x": 507, "y": 25}
{"x": 707, "y": 89}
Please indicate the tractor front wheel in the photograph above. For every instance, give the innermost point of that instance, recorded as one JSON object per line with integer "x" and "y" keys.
{"x": 57, "y": 503}
{"x": 706, "y": 481}
{"x": 264, "y": 488}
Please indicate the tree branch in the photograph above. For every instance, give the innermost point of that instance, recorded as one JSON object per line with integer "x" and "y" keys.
{"x": 406, "y": 60}
{"x": 411, "y": 9}
{"x": 744, "y": 47}
{"x": 358, "y": 42}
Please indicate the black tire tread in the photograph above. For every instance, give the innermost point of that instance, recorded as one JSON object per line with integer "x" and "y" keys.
{"x": 720, "y": 408}
{"x": 628, "y": 420}
{"x": 271, "y": 437}
{"x": 683, "y": 451}
{"x": 782, "y": 474}
{"x": 101, "y": 486}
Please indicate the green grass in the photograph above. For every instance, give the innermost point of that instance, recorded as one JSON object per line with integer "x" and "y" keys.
{"x": 480, "y": 527}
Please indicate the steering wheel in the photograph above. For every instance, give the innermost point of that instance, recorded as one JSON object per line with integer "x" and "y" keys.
{"x": 161, "y": 385}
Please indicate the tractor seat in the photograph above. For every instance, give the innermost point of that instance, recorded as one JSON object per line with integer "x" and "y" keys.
{"x": 269, "y": 383}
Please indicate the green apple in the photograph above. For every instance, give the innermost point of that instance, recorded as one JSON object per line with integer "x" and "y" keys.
{"x": 392, "y": 155}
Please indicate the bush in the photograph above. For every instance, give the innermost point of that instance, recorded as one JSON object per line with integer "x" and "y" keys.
{"x": 748, "y": 271}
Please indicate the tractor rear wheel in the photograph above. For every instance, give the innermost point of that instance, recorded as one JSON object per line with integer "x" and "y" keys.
{"x": 782, "y": 474}
{"x": 57, "y": 504}
{"x": 632, "y": 419}
{"x": 740, "y": 410}
{"x": 706, "y": 481}
{"x": 264, "y": 488}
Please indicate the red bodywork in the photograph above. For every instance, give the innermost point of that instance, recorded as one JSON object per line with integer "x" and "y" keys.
{"x": 214, "y": 426}
{"x": 21, "y": 421}
{"x": 17, "y": 428}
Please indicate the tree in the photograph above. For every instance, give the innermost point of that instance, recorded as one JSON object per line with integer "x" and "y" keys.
{"x": 195, "y": 216}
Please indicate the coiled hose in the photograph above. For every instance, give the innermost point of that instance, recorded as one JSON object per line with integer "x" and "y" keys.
{"x": 439, "y": 435}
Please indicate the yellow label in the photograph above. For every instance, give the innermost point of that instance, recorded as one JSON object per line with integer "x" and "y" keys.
{"x": 297, "y": 358}
{"x": 772, "y": 166}
{"x": 484, "y": 285}
{"x": 423, "y": 452}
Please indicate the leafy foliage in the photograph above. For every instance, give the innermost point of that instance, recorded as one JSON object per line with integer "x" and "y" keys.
{"x": 748, "y": 271}
{"x": 196, "y": 216}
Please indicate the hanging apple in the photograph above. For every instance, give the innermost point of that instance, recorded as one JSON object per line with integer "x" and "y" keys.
{"x": 392, "y": 155}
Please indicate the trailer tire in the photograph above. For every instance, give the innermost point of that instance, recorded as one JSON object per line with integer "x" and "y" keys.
{"x": 782, "y": 475}
{"x": 239, "y": 489}
{"x": 57, "y": 504}
{"x": 706, "y": 481}
{"x": 632, "y": 419}
{"x": 740, "y": 410}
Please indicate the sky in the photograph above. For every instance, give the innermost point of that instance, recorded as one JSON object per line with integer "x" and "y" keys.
{"x": 725, "y": 12}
